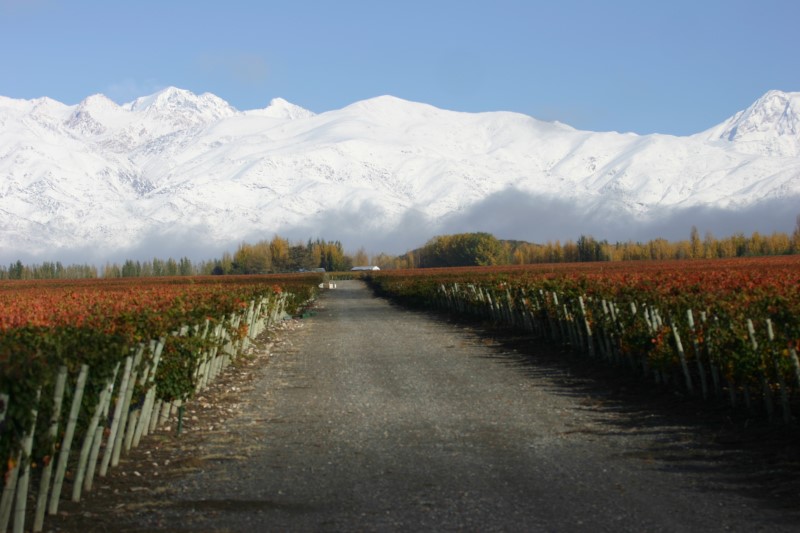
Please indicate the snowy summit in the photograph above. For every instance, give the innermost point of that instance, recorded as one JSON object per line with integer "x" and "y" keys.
{"x": 174, "y": 166}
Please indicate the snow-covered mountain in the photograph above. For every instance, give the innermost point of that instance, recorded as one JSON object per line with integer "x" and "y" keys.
{"x": 771, "y": 126}
{"x": 176, "y": 172}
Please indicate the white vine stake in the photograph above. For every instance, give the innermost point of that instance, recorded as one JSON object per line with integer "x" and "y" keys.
{"x": 66, "y": 443}
{"x": 787, "y": 412}
{"x": 3, "y": 406}
{"x": 44, "y": 485}
{"x": 11, "y": 475}
{"x": 123, "y": 389}
{"x": 89, "y": 438}
{"x": 796, "y": 363}
{"x": 7, "y": 500}
{"x": 24, "y": 478}
{"x": 125, "y": 415}
{"x": 143, "y": 426}
{"x": 682, "y": 356}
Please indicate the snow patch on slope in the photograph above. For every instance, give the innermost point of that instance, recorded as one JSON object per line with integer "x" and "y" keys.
{"x": 281, "y": 109}
{"x": 174, "y": 163}
{"x": 771, "y": 126}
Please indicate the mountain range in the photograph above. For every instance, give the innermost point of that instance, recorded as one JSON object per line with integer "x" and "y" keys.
{"x": 176, "y": 173}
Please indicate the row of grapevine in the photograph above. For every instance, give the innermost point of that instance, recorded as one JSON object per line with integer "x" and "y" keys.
{"x": 84, "y": 383}
{"x": 711, "y": 329}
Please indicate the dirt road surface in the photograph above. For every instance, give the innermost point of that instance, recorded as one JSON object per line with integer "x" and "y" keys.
{"x": 371, "y": 417}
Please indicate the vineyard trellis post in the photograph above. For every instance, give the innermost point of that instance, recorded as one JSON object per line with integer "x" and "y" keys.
{"x": 589, "y": 340}
{"x": 682, "y": 357}
{"x": 115, "y": 423}
{"x": 91, "y": 443}
{"x": 715, "y": 376}
{"x": 787, "y": 412}
{"x": 33, "y": 455}
{"x": 701, "y": 371}
{"x": 25, "y": 470}
{"x": 143, "y": 428}
{"x": 44, "y": 484}
{"x": 66, "y": 441}
{"x": 762, "y": 369}
{"x": 9, "y": 489}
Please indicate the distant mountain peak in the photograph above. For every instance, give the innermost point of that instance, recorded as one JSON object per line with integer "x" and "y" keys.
{"x": 168, "y": 97}
{"x": 107, "y": 177}
{"x": 770, "y": 126}
{"x": 387, "y": 102}
{"x": 280, "y": 108}
{"x": 98, "y": 101}
{"x": 776, "y": 112}
{"x": 47, "y": 105}
{"x": 183, "y": 107}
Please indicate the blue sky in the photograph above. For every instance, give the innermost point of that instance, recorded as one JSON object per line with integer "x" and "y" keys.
{"x": 674, "y": 66}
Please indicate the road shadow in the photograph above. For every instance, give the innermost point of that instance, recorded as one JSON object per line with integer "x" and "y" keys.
{"x": 731, "y": 449}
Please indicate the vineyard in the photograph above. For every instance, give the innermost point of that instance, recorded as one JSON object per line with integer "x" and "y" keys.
{"x": 716, "y": 329}
{"x": 88, "y": 368}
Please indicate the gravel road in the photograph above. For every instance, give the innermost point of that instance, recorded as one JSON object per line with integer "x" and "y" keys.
{"x": 371, "y": 417}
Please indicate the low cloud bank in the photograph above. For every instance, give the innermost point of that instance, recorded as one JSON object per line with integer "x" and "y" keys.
{"x": 512, "y": 214}
{"x": 509, "y": 214}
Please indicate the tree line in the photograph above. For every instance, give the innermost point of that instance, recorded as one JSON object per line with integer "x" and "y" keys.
{"x": 278, "y": 255}
{"x": 586, "y": 248}
{"x": 463, "y": 249}
{"x": 47, "y": 270}
{"x": 263, "y": 257}
{"x": 477, "y": 249}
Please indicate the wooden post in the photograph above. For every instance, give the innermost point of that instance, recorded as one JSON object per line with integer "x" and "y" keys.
{"x": 154, "y": 418}
{"x": 9, "y": 490}
{"x": 47, "y": 470}
{"x": 796, "y": 363}
{"x": 147, "y": 409}
{"x": 682, "y": 356}
{"x": 166, "y": 409}
{"x": 125, "y": 415}
{"x": 133, "y": 421}
{"x": 137, "y": 415}
{"x": 589, "y": 339}
{"x": 11, "y": 476}
{"x": 604, "y": 339}
{"x": 115, "y": 423}
{"x": 649, "y": 321}
{"x": 66, "y": 442}
{"x": 552, "y": 318}
{"x": 88, "y": 439}
{"x": 697, "y": 354}
{"x": 206, "y": 373}
{"x": 3, "y": 406}
{"x": 230, "y": 346}
{"x": 91, "y": 465}
{"x": 715, "y": 377}
{"x": 94, "y": 441}
{"x": 25, "y": 468}
{"x": 217, "y": 357}
{"x": 787, "y": 412}
{"x": 567, "y": 324}
{"x": 767, "y": 392}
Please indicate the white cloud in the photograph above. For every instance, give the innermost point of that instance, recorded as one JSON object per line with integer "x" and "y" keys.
{"x": 511, "y": 214}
